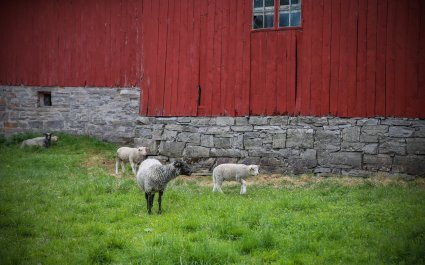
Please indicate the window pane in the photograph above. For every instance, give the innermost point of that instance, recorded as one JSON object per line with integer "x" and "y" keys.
{"x": 269, "y": 3}
{"x": 284, "y": 2}
{"x": 269, "y": 19}
{"x": 283, "y": 19}
{"x": 294, "y": 2}
{"x": 295, "y": 18}
{"x": 258, "y": 3}
{"x": 258, "y": 21}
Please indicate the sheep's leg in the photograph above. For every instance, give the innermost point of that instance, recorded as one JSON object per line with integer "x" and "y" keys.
{"x": 159, "y": 202}
{"x": 151, "y": 199}
{"x": 122, "y": 167}
{"x": 243, "y": 186}
{"x": 133, "y": 166}
{"x": 217, "y": 184}
{"x": 147, "y": 200}
{"x": 116, "y": 165}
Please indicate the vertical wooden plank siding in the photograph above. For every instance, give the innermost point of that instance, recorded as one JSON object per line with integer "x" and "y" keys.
{"x": 360, "y": 58}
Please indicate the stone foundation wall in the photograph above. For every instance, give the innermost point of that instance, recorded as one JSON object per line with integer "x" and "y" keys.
{"x": 107, "y": 113}
{"x": 290, "y": 144}
{"x": 321, "y": 145}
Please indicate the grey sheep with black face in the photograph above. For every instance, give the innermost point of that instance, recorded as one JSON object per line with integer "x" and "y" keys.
{"x": 153, "y": 177}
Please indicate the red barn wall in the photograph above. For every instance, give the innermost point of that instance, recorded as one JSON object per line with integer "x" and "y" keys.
{"x": 71, "y": 43}
{"x": 200, "y": 57}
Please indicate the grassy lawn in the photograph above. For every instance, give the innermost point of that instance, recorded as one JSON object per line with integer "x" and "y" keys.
{"x": 64, "y": 205}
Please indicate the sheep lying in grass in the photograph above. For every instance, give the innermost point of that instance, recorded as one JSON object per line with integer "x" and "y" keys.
{"x": 236, "y": 172}
{"x": 40, "y": 141}
{"x": 153, "y": 177}
{"x": 133, "y": 155}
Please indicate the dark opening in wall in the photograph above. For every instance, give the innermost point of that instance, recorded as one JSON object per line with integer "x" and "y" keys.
{"x": 44, "y": 99}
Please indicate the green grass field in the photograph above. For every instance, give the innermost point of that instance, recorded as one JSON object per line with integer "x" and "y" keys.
{"x": 64, "y": 205}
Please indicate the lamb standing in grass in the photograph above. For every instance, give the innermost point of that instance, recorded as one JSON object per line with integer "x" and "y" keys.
{"x": 133, "y": 155}
{"x": 236, "y": 172}
{"x": 40, "y": 141}
{"x": 153, "y": 177}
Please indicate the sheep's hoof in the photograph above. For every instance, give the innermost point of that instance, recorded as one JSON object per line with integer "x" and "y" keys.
{"x": 159, "y": 212}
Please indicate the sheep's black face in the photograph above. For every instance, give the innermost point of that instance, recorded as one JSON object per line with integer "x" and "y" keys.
{"x": 182, "y": 168}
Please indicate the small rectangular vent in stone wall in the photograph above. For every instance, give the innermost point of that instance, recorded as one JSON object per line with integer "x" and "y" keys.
{"x": 44, "y": 98}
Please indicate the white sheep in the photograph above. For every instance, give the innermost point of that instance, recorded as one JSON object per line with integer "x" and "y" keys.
{"x": 132, "y": 155}
{"x": 40, "y": 141}
{"x": 153, "y": 177}
{"x": 236, "y": 172}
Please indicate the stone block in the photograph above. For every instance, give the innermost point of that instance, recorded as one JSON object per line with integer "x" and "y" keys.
{"x": 419, "y": 131}
{"x": 352, "y": 146}
{"x": 225, "y": 121}
{"x": 327, "y": 140}
{"x": 416, "y": 146}
{"x": 379, "y": 162}
{"x": 396, "y": 122}
{"x": 411, "y": 164}
{"x": 207, "y": 140}
{"x": 299, "y": 138}
{"x": 188, "y": 137}
{"x": 250, "y": 160}
{"x": 375, "y": 130}
{"x": 196, "y": 151}
{"x": 362, "y": 122}
{"x": 351, "y": 134}
{"x": 227, "y": 153}
{"x": 241, "y": 120}
{"x": 370, "y": 149}
{"x": 242, "y": 128}
{"x": 279, "y": 141}
{"x": 169, "y": 135}
{"x": 220, "y": 142}
{"x": 343, "y": 160}
{"x": 279, "y": 120}
{"x": 400, "y": 131}
{"x": 393, "y": 146}
{"x": 171, "y": 149}
{"x": 269, "y": 129}
{"x": 258, "y": 120}
{"x": 54, "y": 125}
{"x": 252, "y": 143}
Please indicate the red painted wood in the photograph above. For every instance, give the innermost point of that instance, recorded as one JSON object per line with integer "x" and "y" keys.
{"x": 351, "y": 58}
{"x": 147, "y": 48}
{"x": 238, "y": 59}
{"x": 421, "y": 61}
{"x": 400, "y": 58}
{"x": 381, "y": 43}
{"x": 216, "y": 106}
{"x": 270, "y": 65}
{"x": 246, "y": 61}
{"x": 372, "y": 18}
{"x": 316, "y": 57}
{"x": 282, "y": 60}
{"x": 390, "y": 59}
{"x": 292, "y": 71}
{"x": 257, "y": 76}
{"x": 335, "y": 55}
{"x": 411, "y": 55}
{"x": 362, "y": 59}
{"x": 304, "y": 70}
{"x": 326, "y": 57}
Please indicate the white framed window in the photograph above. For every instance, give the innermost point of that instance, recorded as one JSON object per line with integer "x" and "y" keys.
{"x": 288, "y": 14}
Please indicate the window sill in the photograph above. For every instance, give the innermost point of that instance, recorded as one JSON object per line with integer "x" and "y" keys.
{"x": 276, "y": 29}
